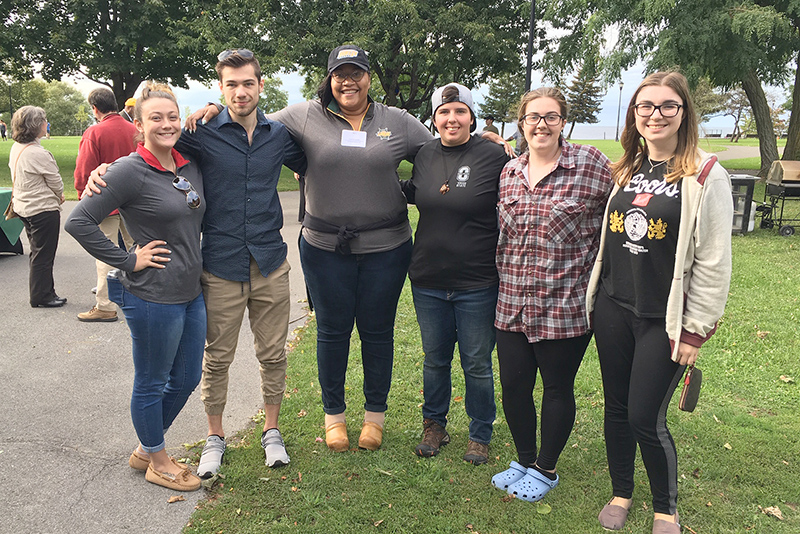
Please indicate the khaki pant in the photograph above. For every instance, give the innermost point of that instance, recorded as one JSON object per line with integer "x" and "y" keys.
{"x": 267, "y": 301}
{"x": 111, "y": 226}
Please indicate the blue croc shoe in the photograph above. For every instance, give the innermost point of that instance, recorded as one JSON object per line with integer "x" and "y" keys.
{"x": 503, "y": 480}
{"x": 533, "y": 486}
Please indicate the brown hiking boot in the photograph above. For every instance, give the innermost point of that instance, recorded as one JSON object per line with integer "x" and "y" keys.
{"x": 477, "y": 453}
{"x": 97, "y": 316}
{"x": 433, "y": 436}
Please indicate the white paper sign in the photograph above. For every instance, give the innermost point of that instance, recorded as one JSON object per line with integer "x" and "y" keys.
{"x": 354, "y": 139}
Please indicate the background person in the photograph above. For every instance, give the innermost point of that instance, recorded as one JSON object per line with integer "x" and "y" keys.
{"x": 453, "y": 276}
{"x": 160, "y": 195}
{"x": 37, "y": 195}
{"x": 490, "y": 127}
{"x": 111, "y": 138}
{"x": 3, "y": 130}
{"x": 658, "y": 287}
{"x": 550, "y": 210}
{"x": 127, "y": 111}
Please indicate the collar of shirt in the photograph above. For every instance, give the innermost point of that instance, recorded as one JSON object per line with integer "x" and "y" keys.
{"x": 151, "y": 160}
{"x": 224, "y": 118}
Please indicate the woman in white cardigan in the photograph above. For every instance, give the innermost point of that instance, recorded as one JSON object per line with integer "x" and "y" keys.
{"x": 659, "y": 286}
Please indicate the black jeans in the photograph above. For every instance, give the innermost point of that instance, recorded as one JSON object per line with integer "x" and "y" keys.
{"x": 42, "y": 230}
{"x": 638, "y": 381}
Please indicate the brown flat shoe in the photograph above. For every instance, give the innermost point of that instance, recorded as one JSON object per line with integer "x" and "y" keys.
{"x": 613, "y": 516}
{"x": 138, "y": 461}
{"x": 371, "y": 436}
{"x": 336, "y": 437}
{"x": 661, "y": 526}
{"x": 183, "y": 480}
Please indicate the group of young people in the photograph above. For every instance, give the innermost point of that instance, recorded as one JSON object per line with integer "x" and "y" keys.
{"x": 534, "y": 254}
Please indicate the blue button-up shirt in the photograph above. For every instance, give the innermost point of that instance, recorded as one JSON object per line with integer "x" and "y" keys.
{"x": 243, "y": 212}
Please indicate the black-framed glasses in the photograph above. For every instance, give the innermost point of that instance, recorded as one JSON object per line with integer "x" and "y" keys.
{"x": 533, "y": 119}
{"x": 185, "y": 186}
{"x": 355, "y": 75}
{"x": 667, "y": 109}
{"x": 225, "y": 54}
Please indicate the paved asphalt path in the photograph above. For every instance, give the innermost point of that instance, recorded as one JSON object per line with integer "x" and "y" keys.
{"x": 65, "y": 426}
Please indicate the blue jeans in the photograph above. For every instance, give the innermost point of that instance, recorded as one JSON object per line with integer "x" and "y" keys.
{"x": 168, "y": 342}
{"x": 447, "y": 316}
{"x": 363, "y": 288}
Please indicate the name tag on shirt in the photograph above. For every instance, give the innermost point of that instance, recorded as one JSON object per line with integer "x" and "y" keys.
{"x": 354, "y": 139}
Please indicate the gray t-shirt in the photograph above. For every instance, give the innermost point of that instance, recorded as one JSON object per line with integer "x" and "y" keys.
{"x": 152, "y": 210}
{"x": 354, "y": 185}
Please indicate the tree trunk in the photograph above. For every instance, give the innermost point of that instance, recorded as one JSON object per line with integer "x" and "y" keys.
{"x": 767, "y": 143}
{"x": 572, "y": 127}
{"x": 792, "y": 150}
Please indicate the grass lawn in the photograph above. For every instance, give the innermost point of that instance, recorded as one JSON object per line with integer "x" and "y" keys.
{"x": 65, "y": 150}
{"x": 737, "y": 453}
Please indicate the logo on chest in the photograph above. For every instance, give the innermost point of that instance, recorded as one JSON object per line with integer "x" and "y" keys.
{"x": 384, "y": 134}
{"x": 462, "y": 176}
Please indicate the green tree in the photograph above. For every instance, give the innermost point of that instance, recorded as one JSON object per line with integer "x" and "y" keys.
{"x": 503, "y": 98}
{"x": 414, "y": 45}
{"x": 118, "y": 43}
{"x": 736, "y": 106}
{"x": 584, "y": 96}
{"x": 82, "y": 117}
{"x": 707, "y": 101}
{"x": 747, "y": 42}
{"x": 273, "y": 98}
{"x": 61, "y": 104}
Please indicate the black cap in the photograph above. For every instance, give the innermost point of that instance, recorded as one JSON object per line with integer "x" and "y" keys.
{"x": 347, "y": 54}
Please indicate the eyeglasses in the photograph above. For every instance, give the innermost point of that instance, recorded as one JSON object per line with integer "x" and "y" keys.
{"x": 667, "y": 110}
{"x": 245, "y": 53}
{"x": 356, "y": 75}
{"x": 551, "y": 119}
{"x": 185, "y": 186}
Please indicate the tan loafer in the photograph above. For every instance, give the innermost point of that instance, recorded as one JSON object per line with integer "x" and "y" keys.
{"x": 371, "y": 436}
{"x": 138, "y": 460}
{"x": 182, "y": 480}
{"x": 613, "y": 516}
{"x": 336, "y": 437}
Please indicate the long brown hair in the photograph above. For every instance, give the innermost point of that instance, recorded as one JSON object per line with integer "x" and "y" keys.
{"x": 684, "y": 162}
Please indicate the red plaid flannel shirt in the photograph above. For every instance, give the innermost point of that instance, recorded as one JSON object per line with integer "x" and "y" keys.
{"x": 548, "y": 242}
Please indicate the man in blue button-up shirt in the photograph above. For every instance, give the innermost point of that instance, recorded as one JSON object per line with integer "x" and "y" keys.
{"x": 240, "y": 153}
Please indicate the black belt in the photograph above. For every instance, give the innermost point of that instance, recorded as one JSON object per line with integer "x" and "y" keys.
{"x": 344, "y": 233}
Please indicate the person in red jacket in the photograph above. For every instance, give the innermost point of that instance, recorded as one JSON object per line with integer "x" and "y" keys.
{"x": 111, "y": 138}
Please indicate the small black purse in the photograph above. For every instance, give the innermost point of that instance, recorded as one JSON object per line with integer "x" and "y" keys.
{"x": 691, "y": 389}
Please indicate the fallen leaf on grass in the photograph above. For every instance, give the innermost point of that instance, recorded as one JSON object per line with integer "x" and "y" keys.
{"x": 210, "y": 482}
{"x": 387, "y": 473}
{"x": 717, "y": 419}
{"x": 774, "y": 511}
{"x": 792, "y": 505}
{"x": 458, "y": 398}
{"x": 377, "y": 523}
{"x": 176, "y": 498}
{"x": 761, "y": 334}
{"x": 696, "y": 472}
{"x": 507, "y": 497}
{"x": 238, "y": 511}
{"x": 709, "y": 504}
{"x": 785, "y": 462}
{"x": 294, "y": 488}
{"x": 264, "y": 479}
{"x": 728, "y": 446}
{"x": 319, "y": 439}
{"x": 302, "y": 413}
{"x": 543, "y": 508}
{"x": 787, "y": 379}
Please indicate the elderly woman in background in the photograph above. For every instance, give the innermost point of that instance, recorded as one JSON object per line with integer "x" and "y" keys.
{"x": 550, "y": 209}
{"x": 38, "y": 193}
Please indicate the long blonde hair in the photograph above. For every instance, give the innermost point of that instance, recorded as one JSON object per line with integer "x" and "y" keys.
{"x": 685, "y": 160}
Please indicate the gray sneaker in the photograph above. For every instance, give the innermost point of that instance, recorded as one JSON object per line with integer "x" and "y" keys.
{"x": 211, "y": 458}
{"x": 274, "y": 449}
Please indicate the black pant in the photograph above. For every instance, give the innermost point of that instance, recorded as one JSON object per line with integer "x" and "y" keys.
{"x": 639, "y": 379}
{"x": 42, "y": 230}
{"x": 558, "y": 361}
